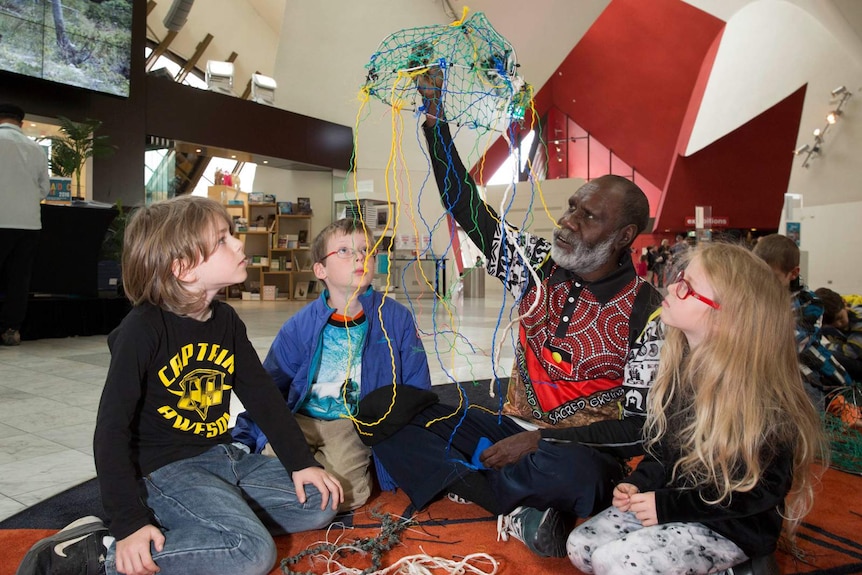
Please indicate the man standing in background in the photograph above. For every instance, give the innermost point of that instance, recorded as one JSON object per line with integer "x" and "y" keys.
{"x": 23, "y": 185}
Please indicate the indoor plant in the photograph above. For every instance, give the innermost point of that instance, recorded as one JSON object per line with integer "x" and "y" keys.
{"x": 77, "y": 143}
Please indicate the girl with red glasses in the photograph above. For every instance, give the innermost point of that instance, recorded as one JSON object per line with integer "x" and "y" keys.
{"x": 730, "y": 433}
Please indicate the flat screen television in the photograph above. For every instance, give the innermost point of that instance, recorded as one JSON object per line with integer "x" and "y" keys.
{"x": 84, "y": 43}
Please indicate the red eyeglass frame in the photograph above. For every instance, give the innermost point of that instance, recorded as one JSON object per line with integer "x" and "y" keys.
{"x": 680, "y": 280}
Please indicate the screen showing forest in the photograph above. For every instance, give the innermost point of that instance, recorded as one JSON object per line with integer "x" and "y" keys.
{"x": 84, "y": 43}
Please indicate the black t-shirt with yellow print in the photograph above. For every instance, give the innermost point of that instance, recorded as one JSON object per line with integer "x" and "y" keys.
{"x": 167, "y": 398}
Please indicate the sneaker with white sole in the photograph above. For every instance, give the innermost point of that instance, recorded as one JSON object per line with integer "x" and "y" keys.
{"x": 543, "y": 532}
{"x": 77, "y": 549}
{"x": 454, "y": 497}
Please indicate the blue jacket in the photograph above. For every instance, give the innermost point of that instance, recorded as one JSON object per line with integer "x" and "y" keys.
{"x": 296, "y": 352}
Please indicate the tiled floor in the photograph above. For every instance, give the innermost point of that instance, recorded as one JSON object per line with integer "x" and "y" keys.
{"x": 50, "y": 389}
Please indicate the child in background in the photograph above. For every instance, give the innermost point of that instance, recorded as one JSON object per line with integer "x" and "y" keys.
{"x": 180, "y": 496}
{"x": 822, "y": 374}
{"x": 731, "y": 434}
{"x": 343, "y": 346}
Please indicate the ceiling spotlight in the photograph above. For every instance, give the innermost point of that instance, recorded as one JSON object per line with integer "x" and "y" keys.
{"x": 838, "y": 91}
{"x": 801, "y": 149}
{"x": 833, "y": 116}
{"x": 817, "y": 132}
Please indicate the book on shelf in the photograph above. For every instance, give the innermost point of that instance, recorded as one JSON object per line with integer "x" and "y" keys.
{"x": 303, "y": 206}
{"x": 285, "y": 208}
{"x": 302, "y": 237}
{"x": 255, "y": 197}
{"x": 270, "y": 222}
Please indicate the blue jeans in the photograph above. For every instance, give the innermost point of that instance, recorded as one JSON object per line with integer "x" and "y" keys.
{"x": 219, "y": 509}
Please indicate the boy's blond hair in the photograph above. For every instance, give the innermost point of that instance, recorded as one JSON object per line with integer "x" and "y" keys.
{"x": 177, "y": 232}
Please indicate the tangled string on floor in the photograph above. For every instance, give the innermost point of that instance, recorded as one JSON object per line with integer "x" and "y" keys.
{"x": 331, "y": 555}
{"x": 481, "y": 87}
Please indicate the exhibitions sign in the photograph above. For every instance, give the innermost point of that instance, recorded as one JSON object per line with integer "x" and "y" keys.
{"x": 713, "y": 222}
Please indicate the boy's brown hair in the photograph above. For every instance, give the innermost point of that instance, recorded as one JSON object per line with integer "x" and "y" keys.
{"x": 780, "y": 252}
{"x": 833, "y": 303}
{"x": 164, "y": 239}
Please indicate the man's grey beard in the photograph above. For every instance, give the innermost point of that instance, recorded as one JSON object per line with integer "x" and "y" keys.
{"x": 583, "y": 259}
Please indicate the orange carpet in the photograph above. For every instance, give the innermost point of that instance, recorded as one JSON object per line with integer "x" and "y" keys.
{"x": 829, "y": 538}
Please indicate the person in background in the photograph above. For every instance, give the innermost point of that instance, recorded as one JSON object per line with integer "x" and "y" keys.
{"x": 731, "y": 434}
{"x": 180, "y": 495}
{"x": 821, "y": 372}
{"x": 24, "y": 183}
{"x": 661, "y": 266}
{"x": 641, "y": 267}
{"x": 331, "y": 357}
{"x": 842, "y": 327}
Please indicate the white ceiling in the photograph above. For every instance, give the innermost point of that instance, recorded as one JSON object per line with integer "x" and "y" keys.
{"x": 317, "y": 50}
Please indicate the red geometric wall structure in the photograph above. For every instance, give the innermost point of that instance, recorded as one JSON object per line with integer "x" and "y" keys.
{"x": 630, "y": 79}
{"x": 635, "y": 82}
{"x": 743, "y": 175}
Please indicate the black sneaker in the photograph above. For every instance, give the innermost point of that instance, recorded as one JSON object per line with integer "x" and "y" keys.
{"x": 77, "y": 549}
{"x": 543, "y": 532}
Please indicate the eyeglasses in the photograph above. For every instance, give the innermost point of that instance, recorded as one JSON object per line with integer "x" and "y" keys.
{"x": 684, "y": 289}
{"x": 350, "y": 253}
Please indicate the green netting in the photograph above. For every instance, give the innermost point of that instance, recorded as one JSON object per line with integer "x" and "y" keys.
{"x": 481, "y": 87}
{"x": 843, "y": 433}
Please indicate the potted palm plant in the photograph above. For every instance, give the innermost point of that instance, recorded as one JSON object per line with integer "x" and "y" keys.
{"x": 77, "y": 143}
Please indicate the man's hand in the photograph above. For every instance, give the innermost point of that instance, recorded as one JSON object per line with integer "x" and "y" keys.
{"x": 622, "y": 496}
{"x": 430, "y": 87}
{"x": 329, "y": 487}
{"x": 511, "y": 449}
{"x": 133, "y": 552}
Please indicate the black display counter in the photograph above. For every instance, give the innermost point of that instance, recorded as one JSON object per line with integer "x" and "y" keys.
{"x": 64, "y": 295}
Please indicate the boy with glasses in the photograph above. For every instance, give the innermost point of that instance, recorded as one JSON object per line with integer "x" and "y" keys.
{"x": 338, "y": 349}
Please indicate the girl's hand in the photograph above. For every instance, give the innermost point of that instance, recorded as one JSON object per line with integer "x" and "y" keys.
{"x": 622, "y": 495}
{"x": 643, "y": 506}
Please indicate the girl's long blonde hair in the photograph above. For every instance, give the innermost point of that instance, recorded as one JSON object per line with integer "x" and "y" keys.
{"x": 739, "y": 394}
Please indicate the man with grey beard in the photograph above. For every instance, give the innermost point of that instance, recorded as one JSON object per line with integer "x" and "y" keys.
{"x": 581, "y": 314}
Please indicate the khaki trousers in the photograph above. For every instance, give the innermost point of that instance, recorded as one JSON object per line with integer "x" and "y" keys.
{"x": 336, "y": 445}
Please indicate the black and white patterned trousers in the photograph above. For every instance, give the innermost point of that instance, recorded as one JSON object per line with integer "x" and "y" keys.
{"x": 614, "y": 542}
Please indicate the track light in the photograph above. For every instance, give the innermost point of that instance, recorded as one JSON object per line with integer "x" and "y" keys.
{"x": 816, "y": 148}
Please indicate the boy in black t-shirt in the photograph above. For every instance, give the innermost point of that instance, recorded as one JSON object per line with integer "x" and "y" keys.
{"x": 180, "y": 496}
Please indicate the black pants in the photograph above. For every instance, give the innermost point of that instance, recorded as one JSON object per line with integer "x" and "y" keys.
{"x": 425, "y": 459}
{"x": 17, "y": 250}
